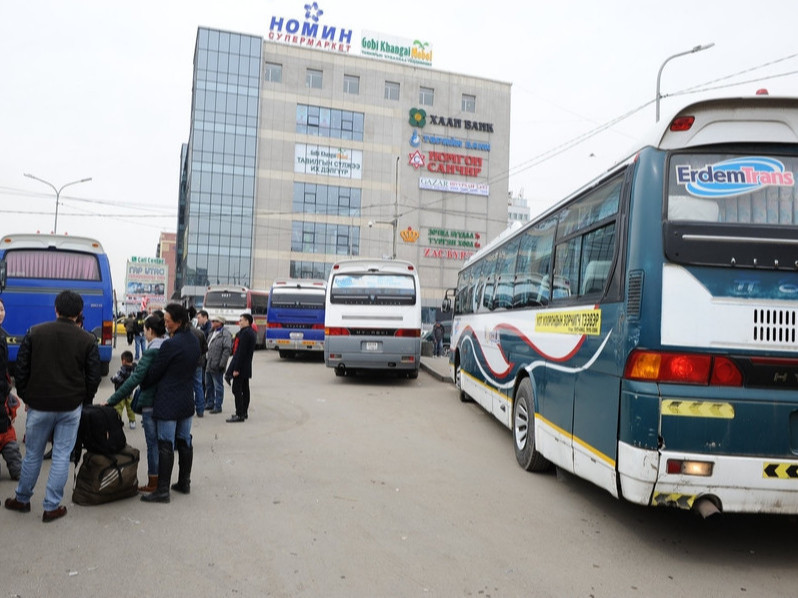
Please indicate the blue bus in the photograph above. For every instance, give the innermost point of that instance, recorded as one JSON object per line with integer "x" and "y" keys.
{"x": 35, "y": 268}
{"x": 642, "y": 333}
{"x": 295, "y": 318}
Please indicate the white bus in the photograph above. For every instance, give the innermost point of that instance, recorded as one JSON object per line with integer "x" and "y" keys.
{"x": 372, "y": 318}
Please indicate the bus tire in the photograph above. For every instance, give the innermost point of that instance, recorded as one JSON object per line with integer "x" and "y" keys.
{"x": 412, "y": 374}
{"x": 282, "y": 354}
{"x": 458, "y": 382}
{"x": 524, "y": 429}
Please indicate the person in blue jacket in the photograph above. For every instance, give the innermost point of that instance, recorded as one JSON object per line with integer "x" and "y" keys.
{"x": 172, "y": 372}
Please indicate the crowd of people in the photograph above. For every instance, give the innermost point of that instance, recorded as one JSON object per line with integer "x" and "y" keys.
{"x": 177, "y": 372}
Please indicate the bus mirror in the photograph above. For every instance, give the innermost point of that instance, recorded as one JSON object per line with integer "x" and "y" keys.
{"x": 446, "y": 306}
{"x": 2, "y": 274}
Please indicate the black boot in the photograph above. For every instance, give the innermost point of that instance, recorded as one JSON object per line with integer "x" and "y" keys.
{"x": 185, "y": 457}
{"x": 166, "y": 461}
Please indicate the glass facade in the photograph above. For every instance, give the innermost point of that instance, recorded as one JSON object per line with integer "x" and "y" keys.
{"x": 217, "y": 220}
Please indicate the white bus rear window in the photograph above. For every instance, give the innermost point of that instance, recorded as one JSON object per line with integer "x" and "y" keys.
{"x": 378, "y": 289}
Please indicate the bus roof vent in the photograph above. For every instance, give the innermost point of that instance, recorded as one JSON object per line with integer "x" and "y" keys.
{"x": 634, "y": 297}
{"x": 775, "y": 326}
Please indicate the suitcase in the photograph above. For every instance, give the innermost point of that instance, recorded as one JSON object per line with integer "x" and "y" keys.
{"x": 106, "y": 478}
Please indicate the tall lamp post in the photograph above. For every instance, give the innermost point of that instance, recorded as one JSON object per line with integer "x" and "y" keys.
{"x": 394, "y": 222}
{"x": 669, "y": 58}
{"x": 57, "y": 193}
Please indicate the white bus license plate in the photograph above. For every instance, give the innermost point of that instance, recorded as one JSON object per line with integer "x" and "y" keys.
{"x": 372, "y": 345}
{"x": 296, "y": 336}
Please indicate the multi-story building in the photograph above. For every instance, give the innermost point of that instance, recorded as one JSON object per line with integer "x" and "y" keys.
{"x": 300, "y": 157}
{"x": 166, "y": 251}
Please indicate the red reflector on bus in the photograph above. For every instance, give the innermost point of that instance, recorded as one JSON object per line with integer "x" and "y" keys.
{"x": 408, "y": 332}
{"x": 725, "y": 373}
{"x": 682, "y": 123}
{"x": 317, "y": 327}
{"x": 275, "y": 325}
{"x": 336, "y": 332}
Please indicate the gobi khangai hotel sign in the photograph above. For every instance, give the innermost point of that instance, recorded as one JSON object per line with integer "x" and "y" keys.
{"x": 311, "y": 32}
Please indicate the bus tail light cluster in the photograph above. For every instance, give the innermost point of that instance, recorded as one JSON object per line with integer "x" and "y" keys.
{"x": 333, "y": 331}
{"x": 682, "y": 368}
{"x": 680, "y": 466}
{"x": 107, "y": 333}
{"x": 401, "y": 332}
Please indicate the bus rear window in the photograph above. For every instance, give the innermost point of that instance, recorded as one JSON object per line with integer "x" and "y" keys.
{"x": 733, "y": 189}
{"x": 52, "y": 265}
{"x": 373, "y": 289}
{"x": 298, "y": 300}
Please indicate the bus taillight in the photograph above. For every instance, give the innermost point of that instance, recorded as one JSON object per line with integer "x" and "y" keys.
{"x": 275, "y": 325}
{"x": 682, "y": 368}
{"x": 107, "y": 333}
{"x": 332, "y": 331}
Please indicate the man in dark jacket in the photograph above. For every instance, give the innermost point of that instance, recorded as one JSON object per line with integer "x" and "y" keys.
{"x": 58, "y": 371}
{"x": 172, "y": 372}
{"x": 240, "y": 368}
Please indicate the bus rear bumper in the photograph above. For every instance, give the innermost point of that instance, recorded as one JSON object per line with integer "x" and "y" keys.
{"x": 736, "y": 484}
{"x": 294, "y": 345}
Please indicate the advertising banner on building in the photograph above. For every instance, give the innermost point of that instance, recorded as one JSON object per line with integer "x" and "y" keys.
{"x": 337, "y": 162}
{"x": 397, "y": 49}
{"x": 447, "y": 186}
{"x": 145, "y": 284}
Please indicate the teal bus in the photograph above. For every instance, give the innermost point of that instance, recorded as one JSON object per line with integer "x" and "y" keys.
{"x": 34, "y": 268}
{"x": 641, "y": 333}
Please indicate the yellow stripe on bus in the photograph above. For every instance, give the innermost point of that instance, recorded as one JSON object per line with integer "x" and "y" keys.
{"x": 711, "y": 409}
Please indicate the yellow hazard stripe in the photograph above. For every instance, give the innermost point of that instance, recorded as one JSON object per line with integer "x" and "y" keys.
{"x": 683, "y": 408}
{"x": 673, "y": 499}
{"x": 781, "y": 471}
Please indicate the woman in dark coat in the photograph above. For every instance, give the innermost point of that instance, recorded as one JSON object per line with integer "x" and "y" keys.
{"x": 172, "y": 372}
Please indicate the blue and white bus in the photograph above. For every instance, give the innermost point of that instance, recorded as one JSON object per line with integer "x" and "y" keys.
{"x": 372, "y": 317}
{"x": 35, "y": 268}
{"x": 642, "y": 333}
{"x": 295, "y": 319}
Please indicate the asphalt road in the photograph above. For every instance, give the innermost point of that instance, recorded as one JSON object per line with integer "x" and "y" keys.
{"x": 379, "y": 487}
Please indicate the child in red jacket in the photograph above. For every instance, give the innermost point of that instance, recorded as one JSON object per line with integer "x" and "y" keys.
{"x": 8, "y": 439}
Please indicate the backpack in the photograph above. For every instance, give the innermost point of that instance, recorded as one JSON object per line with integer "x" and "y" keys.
{"x": 105, "y": 478}
{"x": 100, "y": 431}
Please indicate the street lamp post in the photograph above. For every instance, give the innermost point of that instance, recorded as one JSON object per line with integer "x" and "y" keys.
{"x": 57, "y": 193}
{"x": 394, "y": 222}
{"x": 669, "y": 58}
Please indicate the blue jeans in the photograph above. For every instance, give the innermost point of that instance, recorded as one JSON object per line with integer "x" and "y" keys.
{"x": 199, "y": 393}
{"x": 214, "y": 389}
{"x": 151, "y": 436}
{"x": 170, "y": 430}
{"x": 40, "y": 425}
{"x": 141, "y": 345}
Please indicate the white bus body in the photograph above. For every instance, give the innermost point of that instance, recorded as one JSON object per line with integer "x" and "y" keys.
{"x": 373, "y": 317}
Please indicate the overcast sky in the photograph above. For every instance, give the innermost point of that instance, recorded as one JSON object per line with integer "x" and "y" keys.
{"x": 103, "y": 89}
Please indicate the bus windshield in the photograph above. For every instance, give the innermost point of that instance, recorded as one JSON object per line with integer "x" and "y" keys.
{"x": 225, "y": 299}
{"x": 373, "y": 289}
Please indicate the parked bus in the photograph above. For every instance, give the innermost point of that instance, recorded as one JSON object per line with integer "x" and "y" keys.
{"x": 230, "y": 301}
{"x": 36, "y": 268}
{"x": 372, "y": 319}
{"x": 295, "y": 322}
{"x": 662, "y": 362}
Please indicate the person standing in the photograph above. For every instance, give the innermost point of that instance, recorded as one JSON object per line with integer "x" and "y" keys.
{"x": 172, "y": 373}
{"x": 240, "y": 368}
{"x": 154, "y": 332}
{"x": 58, "y": 371}
{"x": 199, "y": 372}
{"x": 220, "y": 347}
{"x": 130, "y": 328}
{"x": 204, "y": 323}
{"x": 141, "y": 342}
{"x": 437, "y": 334}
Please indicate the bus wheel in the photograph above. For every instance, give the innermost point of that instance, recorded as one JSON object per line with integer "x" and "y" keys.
{"x": 282, "y": 353}
{"x": 412, "y": 374}
{"x": 524, "y": 429}
{"x": 458, "y": 382}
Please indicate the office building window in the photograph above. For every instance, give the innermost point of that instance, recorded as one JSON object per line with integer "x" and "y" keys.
{"x": 351, "y": 84}
{"x": 313, "y": 79}
{"x": 330, "y": 239}
{"x": 391, "y": 90}
{"x": 426, "y": 95}
{"x": 329, "y": 122}
{"x": 469, "y": 103}
{"x": 273, "y": 72}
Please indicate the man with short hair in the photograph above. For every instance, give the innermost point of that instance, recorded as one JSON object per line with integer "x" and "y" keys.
{"x": 220, "y": 347}
{"x": 58, "y": 371}
{"x": 204, "y": 323}
{"x": 240, "y": 368}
